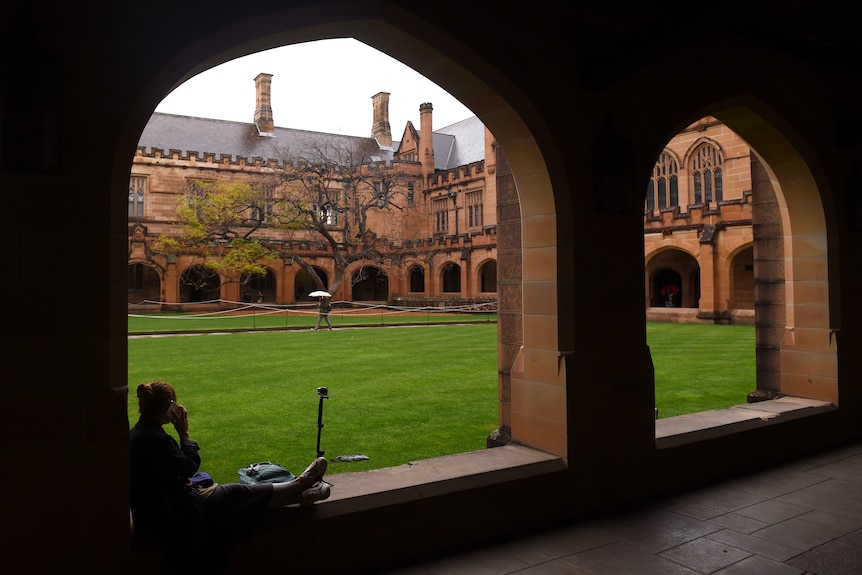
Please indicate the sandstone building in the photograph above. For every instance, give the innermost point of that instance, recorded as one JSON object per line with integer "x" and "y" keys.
{"x": 583, "y": 98}
{"x": 697, "y": 217}
{"x": 442, "y": 225}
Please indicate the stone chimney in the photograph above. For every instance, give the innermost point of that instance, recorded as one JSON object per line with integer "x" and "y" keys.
{"x": 263, "y": 107}
{"x": 426, "y": 139}
{"x": 380, "y": 129}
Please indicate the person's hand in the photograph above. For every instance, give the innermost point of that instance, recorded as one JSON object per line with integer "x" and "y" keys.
{"x": 180, "y": 420}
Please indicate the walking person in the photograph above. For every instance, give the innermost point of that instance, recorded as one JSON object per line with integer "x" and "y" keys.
{"x": 324, "y": 306}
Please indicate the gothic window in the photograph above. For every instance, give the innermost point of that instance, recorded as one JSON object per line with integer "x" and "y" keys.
{"x": 706, "y": 165}
{"x": 411, "y": 194}
{"x": 381, "y": 193}
{"x": 198, "y": 192}
{"x": 441, "y": 215}
{"x": 663, "y": 188}
{"x": 475, "y": 209}
{"x": 327, "y": 214}
{"x": 262, "y": 211}
{"x": 137, "y": 185}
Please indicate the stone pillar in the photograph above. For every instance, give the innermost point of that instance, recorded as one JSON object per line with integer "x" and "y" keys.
{"x": 706, "y": 261}
{"x": 171, "y": 282}
{"x": 510, "y": 320}
{"x": 769, "y": 299}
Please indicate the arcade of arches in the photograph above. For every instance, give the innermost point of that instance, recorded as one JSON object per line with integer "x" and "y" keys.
{"x": 582, "y": 129}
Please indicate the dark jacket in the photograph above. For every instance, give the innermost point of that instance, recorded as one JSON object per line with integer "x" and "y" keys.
{"x": 161, "y": 503}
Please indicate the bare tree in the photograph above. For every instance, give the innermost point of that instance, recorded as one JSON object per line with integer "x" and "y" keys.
{"x": 337, "y": 192}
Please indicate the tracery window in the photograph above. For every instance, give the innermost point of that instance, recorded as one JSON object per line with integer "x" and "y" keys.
{"x": 198, "y": 192}
{"x": 706, "y": 166}
{"x": 475, "y": 209}
{"x": 663, "y": 187}
{"x": 262, "y": 211}
{"x": 137, "y": 186}
{"x": 381, "y": 193}
{"x": 327, "y": 214}
{"x": 441, "y": 215}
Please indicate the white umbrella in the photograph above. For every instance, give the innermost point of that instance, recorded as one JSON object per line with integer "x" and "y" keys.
{"x": 319, "y": 293}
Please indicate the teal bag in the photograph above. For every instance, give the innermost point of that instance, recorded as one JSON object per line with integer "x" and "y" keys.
{"x": 264, "y": 472}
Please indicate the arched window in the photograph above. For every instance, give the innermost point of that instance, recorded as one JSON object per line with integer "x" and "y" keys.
{"x": 706, "y": 164}
{"x": 663, "y": 187}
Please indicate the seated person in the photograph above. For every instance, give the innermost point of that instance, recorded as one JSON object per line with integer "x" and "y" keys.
{"x": 195, "y": 527}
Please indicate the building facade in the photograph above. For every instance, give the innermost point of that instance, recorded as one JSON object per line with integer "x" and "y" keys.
{"x": 698, "y": 228}
{"x": 436, "y": 226}
{"x": 697, "y": 217}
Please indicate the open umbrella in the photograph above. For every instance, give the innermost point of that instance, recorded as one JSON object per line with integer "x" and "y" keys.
{"x": 320, "y": 293}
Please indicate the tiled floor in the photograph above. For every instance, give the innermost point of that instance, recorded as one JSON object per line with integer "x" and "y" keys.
{"x": 801, "y": 518}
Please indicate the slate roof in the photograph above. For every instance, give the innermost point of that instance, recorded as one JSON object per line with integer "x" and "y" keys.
{"x": 456, "y": 145}
{"x": 234, "y": 139}
{"x": 460, "y": 144}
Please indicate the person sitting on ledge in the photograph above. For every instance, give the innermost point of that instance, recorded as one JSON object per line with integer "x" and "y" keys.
{"x": 195, "y": 527}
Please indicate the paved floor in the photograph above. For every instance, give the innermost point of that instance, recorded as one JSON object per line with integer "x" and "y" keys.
{"x": 800, "y": 518}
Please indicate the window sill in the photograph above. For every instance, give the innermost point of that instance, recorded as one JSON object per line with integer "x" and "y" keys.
{"x": 359, "y": 491}
{"x": 694, "y": 427}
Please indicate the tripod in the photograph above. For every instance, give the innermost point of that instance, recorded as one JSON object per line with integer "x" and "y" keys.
{"x": 322, "y": 393}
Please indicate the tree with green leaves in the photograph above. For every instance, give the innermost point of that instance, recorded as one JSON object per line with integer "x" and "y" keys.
{"x": 336, "y": 192}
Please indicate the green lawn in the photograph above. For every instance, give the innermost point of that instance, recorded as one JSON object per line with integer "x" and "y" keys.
{"x": 700, "y": 367}
{"x": 396, "y": 395}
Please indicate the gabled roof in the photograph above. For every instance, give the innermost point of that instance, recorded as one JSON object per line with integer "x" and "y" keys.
{"x": 459, "y": 144}
{"x": 237, "y": 139}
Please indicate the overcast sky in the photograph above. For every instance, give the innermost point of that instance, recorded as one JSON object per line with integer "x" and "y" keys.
{"x": 323, "y": 86}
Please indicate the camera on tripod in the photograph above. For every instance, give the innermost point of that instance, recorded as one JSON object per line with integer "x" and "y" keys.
{"x": 323, "y": 392}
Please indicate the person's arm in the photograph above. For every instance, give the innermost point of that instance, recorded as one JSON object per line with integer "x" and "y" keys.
{"x": 189, "y": 448}
{"x": 180, "y": 420}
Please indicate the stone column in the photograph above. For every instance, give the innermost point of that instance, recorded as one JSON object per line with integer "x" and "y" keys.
{"x": 769, "y": 300}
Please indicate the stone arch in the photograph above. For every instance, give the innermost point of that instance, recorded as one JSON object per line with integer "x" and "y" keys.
{"x": 673, "y": 268}
{"x": 416, "y": 279}
{"x": 260, "y": 288}
{"x": 808, "y": 356}
{"x": 450, "y": 278}
{"x": 486, "y": 276}
{"x": 533, "y": 336}
{"x": 373, "y": 285}
{"x": 145, "y": 282}
{"x": 199, "y": 284}
{"x": 740, "y": 273}
{"x": 304, "y": 285}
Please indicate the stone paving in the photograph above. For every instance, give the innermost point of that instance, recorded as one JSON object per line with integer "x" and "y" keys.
{"x": 802, "y": 518}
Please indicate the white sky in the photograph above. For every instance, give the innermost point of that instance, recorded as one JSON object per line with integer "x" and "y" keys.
{"x": 324, "y": 86}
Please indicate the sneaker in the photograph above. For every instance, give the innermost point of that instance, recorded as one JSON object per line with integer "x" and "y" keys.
{"x": 314, "y": 329}
{"x": 318, "y": 492}
{"x": 314, "y": 472}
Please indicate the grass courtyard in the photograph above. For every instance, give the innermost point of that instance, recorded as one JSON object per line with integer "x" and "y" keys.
{"x": 396, "y": 395}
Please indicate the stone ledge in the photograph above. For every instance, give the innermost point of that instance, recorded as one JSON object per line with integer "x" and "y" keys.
{"x": 694, "y": 427}
{"x": 358, "y": 491}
